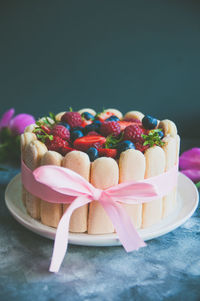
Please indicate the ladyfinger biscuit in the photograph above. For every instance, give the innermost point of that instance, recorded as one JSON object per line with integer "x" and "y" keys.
{"x": 155, "y": 165}
{"x": 170, "y": 159}
{"x": 91, "y": 111}
{"x": 51, "y": 213}
{"x": 25, "y": 139}
{"x": 80, "y": 163}
{"x": 33, "y": 153}
{"x": 59, "y": 116}
{"x": 168, "y": 127}
{"x": 115, "y": 112}
{"x": 132, "y": 168}
{"x": 134, "y": 114}
{"x": 30, "y": 128}
{"x": 104, "y": 174}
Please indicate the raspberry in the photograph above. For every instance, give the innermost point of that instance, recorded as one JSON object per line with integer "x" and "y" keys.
{"x": 61, "y": 131}
{"x": 133, "y": 133}
{"x": 139, "y": 146}
{"x": 93, "y": 133}
{"x": 56, "y": 144}
{"x": 110, "y": 127}
{"x": 72, "y": 118}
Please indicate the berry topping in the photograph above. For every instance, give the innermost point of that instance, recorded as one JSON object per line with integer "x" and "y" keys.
{"x": 123, "y": 124}
{"x": 124, "y": 145}
{"x": 149, "y": 122}
{"x": 86, "y": 142}
{"x": 139, "y": 146}
{"x": 92, "y": 153}
{"x": 46, "y": 129}
{"x": 77, "y": 128}
{"x": 56, "y": 144}
{"x": 110, "y": 127}
{"x": 133, "y": 133}
{"x": 153, "y": 138}
{"x": 61, "y": 131}
{"x": 76, "y": 134}
{"x": 107, "y": 152}
{"x": 65, "y": 124}
{"x": 93, "y": 127}
{"x": 103, "y": 115}
{"x": 72, "y": 118}
{"x": 113, "y": 118}
{"x": 87, "y": 116}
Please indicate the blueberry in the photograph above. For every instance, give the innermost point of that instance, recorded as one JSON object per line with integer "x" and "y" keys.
{"x": 112, "y": 118}
{"x": 87, "y": 116}
{"x": 65, "y": 124}
{"x": 97, "y": 122}
{"x": 76, "y": 134}
{"x": 124, "y": 145}
{"x": 92, "y": 153}
{"x": 77, "y": 128}
{"x": 93, "y": 127}
{"x": 149, "y": 122}
{"x": 161, "y": 134}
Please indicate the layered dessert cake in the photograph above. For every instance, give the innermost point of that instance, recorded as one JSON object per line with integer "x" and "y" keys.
{"x": 105, "y": 148}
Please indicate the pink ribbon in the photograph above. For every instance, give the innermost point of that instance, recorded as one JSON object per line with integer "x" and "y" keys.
{"x": 56, "y": 184}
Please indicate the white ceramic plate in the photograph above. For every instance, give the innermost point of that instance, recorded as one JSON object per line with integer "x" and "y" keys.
{"x": 187, "y": 203}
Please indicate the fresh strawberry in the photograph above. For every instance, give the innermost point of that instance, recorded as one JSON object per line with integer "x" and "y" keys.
{"x": 46, "y": 129}
{"x": 56, "y": 144}
{"x": 110, "y": 127}
{"x": 139, "y": 146}
{"x": 86, "y": 142}
{"x": 85, "y": 122}
{"x": 133, "y": 133}
{"x": 72, "y": 118}
{"x": 61, "y": 131}
{"x": 123, "y": 124}
{"x": 66, "y": 149}
{"x": 107, "y": 152}
{"x": 93, "y": 133}
{"x": 104, "y": 115}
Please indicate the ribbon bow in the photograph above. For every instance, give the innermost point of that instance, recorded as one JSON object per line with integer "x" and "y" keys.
{"x": 61, "y": 185}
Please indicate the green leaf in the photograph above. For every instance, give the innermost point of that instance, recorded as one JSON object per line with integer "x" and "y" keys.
{"x": 198, "y": 185}
{"x": 112, "y": 142}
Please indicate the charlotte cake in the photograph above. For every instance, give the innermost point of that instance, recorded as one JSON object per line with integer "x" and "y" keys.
{"x": 106, "y": 149}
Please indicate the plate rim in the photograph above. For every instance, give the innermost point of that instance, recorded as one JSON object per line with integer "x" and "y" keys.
{"x": 102, "y": 239}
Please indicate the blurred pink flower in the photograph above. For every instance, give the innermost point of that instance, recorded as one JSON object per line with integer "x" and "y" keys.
{"x": 16, "y": 124}
{"x": 189, "y": 164}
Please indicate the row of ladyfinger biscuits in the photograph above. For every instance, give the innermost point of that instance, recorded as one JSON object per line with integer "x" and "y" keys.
{"x": 104, "y": 173}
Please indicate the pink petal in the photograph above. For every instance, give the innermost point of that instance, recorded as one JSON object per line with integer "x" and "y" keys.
{"x": 6, "y": 118}
{"x": 193, "y": 174}
{"x": 190, "y": 159}
{"x": 20, "y": 122}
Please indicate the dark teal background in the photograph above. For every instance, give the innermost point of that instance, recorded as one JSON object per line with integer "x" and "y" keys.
{"x": 142, "y": 55}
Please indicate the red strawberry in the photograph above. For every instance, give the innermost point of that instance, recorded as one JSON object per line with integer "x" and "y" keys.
{"x": 133, "y": 133}
{"x": 123, "y": 124}
{"x": 85, "y": 122}
{"x": 56, "y": 144}
{"x": 66, "y": 149}
{"x": 86, "y": 142}
{"x": 61, "y": 131}
{"x": 93, "y": 133}
{"x": 107, "y": 152}
{"x": 46, "y": 129}
{"x": 104, "y": 115}
{"x": 72, "y": 118}
{"x": 110, "y": 127}
{"x": 139, "y": 146}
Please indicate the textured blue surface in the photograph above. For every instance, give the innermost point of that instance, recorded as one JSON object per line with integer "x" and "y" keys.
{"x": 167, "y": 269}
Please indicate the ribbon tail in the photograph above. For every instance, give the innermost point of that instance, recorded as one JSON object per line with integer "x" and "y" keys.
{"x": 122, "y": 223}
{"x": 62, "y": 234}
